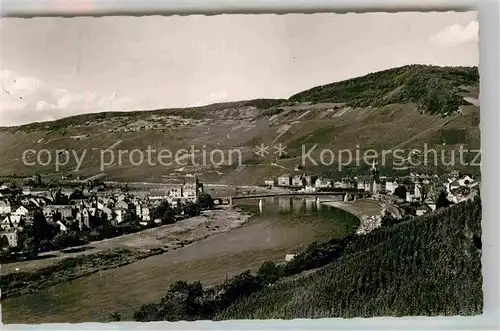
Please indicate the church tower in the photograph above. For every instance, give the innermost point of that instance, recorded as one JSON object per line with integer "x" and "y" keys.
{"x": 374, "y": 176}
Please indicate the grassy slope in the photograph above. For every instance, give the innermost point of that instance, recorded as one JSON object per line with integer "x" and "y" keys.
{"x": 386, "y": 116}
{"x": 427, "y": 266}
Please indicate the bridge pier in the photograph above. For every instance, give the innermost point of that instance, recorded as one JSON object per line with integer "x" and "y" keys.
{"x": 318, "y": 200}
{"x": 230, "y": 201}
{"x": 346, "y": 197}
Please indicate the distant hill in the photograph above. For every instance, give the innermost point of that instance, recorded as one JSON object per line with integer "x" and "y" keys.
{"x": 400, "y": 108}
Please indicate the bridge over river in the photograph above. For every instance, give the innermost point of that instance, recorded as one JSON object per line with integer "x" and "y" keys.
{"x": 346, "y": 196}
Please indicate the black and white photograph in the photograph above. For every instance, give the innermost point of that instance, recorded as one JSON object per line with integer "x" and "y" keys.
{"x": 240, "y": 167}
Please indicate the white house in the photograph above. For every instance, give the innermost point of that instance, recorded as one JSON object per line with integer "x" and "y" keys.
{"x": 297, "y": 181}
{"x": 122, "y": 205}
{"x": 12, "y": 235}
{"x": 289, "y": 257}
{"x": 5, "y": 207}
{"x": 269, "y": 182}
{"x": 64, "y": 210}
{"x": 322, "y": 182}
{"x": 120, "y": 214}
{"x": 452, "y": 184}
{"x": 83, "y": 216}
{"x": 62, "y": 226}
{"x": 21, "y": 211}
{"x": 390, "y": 186}
{"x": 191, "y": 190}
{"x": 308, "y": 189}
{"x": 418, "y": 191}
{"x": 12, "y": 221}
{"x": 175, "y": 192}
{"x": 465, "y": 181}
{"x": 284, "y": 180}
{"x": 143, "y": 213}
{"x": 338, "y": 184}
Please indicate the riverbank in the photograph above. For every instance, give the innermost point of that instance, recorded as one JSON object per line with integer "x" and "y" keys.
{"x": 167, "y": 237}
{"x": 280, "y": 229}
{"x": 360, "y": 208}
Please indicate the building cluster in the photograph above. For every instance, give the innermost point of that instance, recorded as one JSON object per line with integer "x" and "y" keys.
{"x": 310, "y": 183}
{"x": 416, "y": 187}
{"x": 69, "y": 209}
{"x": 157, "y": 123}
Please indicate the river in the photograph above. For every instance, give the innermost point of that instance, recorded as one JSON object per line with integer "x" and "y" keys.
{"x": 279, "y": 226}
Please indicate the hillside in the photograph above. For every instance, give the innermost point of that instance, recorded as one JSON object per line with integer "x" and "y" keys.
{"x": 433, "y": 89}
{"x": 429, "y": 265}
{"x": 396, "y": 108}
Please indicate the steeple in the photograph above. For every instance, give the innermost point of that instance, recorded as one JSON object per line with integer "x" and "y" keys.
{"x": 374, "y": 177}
{"x": 374, "y": 169}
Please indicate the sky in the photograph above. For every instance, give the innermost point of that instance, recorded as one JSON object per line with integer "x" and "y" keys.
{"x": 57, "y": 67}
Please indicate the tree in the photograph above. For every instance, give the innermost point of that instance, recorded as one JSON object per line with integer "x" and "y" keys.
{"x": 76, "y": 195}
{"x": 269, "y": 273}
{"x": 61, "y": 198}
{"x": 241, "y": 285}
{"x": 205, "y": 201}
{"x": 30, "y": 247}
{"x": 190, "y": 209}
{"x": 160, "y": 210}
{"x": 442, "y": 201}
{"x": 69, "y": 239}
{"x": 164, "y": 212}
{"x": 183, "y": 302}
{"x": 425, "y": 191}
{"x": 115, "y": 317}
{"x": 146, "y": 313}
{"x": 43, "y": 230}
{"x": 4, "y": 242}
{"x": 4, "y": 247}
{"x": 400, "y": 192}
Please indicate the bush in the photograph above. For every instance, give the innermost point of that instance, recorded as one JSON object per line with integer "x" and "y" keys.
{"x": 205, "y": 201}
{"x": 269, "y": 273}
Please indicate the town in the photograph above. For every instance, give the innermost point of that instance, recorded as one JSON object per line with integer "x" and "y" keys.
{"x": 412, "y": 195}
{"x": 36, "y": 219}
